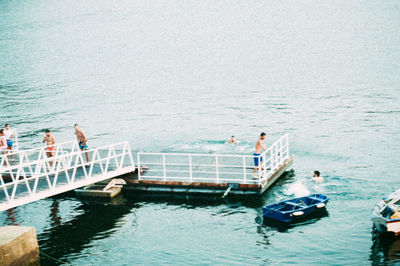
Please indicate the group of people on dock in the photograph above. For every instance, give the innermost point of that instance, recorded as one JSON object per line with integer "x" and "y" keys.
{"x": 7, "y": 135}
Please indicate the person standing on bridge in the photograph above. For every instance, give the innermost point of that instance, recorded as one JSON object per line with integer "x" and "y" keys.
{"x": 82, "y": 140}
{"x": 3, "y": 144}
{"x": 3, "y": 141}
{"x": 50, "y": 141}
{"x": 8, "y": 134}
{"x": 257, "y": 154}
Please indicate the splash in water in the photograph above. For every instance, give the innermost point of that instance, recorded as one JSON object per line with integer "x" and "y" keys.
{"x": 297, "y": 189}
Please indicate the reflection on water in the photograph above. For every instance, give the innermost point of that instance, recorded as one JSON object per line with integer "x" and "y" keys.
{"x": 54, "y": 213}
{"x": 186, "y": 75}
{"x": 11, "y": 217}
{"x": 97, "y": 220}
{"x": 385, "y": 249}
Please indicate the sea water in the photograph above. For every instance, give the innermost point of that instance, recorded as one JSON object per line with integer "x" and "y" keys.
{"x": 186, "y": 75}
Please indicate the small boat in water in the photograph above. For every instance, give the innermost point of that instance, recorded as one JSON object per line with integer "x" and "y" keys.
{"x": 102, "y": 190}
{"x": 298, "y": 208}
{"x": 386, "y": 214}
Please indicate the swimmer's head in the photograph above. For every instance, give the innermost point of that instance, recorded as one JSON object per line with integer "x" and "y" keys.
{"x": 262, "y": 135}
{"x": 316, "y": 173}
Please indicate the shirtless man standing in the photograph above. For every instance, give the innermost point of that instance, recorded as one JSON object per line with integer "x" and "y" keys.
{"x": 3, "y": 141}
{"x": 50, "y": 141}
{"x": 82, "y": 140}
{"x": 257, "y": 159}
{"x": 3, "y": 144}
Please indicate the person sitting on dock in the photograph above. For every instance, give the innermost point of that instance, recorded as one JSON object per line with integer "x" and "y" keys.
{"x": 317, "y": 178}
{"x": 233, "y": 140}
{"x": 82, "y": 140}
{"x": 50, "y": 141}
{"x": 257, "y": 155}
{"x": 8, "y": 134}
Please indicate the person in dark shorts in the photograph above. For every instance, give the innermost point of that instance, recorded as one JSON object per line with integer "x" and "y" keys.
{"x": 82, "y": 140}
{"x": 257, "y": 154}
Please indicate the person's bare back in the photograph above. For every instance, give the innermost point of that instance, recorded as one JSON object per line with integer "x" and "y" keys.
{"x": 260, "y": 145}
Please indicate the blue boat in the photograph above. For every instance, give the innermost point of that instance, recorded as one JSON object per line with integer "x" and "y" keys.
{"x": 298, "y": 208}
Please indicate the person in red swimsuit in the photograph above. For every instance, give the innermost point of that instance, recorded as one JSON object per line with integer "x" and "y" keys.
{"x": 50, "y": 141}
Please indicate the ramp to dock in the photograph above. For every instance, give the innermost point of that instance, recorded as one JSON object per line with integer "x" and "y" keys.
{"x": 32, "y": 175}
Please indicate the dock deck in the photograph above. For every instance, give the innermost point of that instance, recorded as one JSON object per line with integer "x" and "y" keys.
{"x": 210, "y": 173}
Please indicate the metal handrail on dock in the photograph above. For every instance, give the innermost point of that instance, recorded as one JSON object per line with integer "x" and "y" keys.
{"x": 34, "y": 175}
{"x": 214, "y": 168}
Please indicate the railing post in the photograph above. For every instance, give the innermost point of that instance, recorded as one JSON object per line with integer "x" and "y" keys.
{"x": 217, "y": 167}
{"x": 271, "y": 158}
{"x": 16, "y": 139}
{"x": 287, "y": 145}
{"x": 190, "y": 168}
{"x": 164, "y": 168}
{"x": 130, "y": 154}
{"x": 244, "y": 170}
{"x": 264, "y": 164}
{"x": 138, "y": 167}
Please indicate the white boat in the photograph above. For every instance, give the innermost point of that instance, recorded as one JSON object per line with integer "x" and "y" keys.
{"x": 386, "y": 214}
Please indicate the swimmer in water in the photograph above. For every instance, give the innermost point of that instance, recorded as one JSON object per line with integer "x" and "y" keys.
{"x": 233, "y": 140}
{"x": 317, "y": 178}
{"x": 257, "y": 158}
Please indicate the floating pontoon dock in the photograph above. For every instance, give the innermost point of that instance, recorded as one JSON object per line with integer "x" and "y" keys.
{"x": 32, "y": 176}
{"x": 210, "y": 173}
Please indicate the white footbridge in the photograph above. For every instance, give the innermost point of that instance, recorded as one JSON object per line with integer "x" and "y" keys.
{"x": 31, "y": 175}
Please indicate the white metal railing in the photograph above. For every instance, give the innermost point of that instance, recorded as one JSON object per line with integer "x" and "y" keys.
{"x": 33, "y": 175}
{"x": 214, "y": 168}
{"x": 274, "y": 157}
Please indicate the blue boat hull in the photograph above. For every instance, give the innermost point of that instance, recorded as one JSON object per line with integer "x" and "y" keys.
{"x": 298, "y": 208}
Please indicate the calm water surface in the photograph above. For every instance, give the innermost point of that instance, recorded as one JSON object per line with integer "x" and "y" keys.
{"x": 184, "y": 76}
